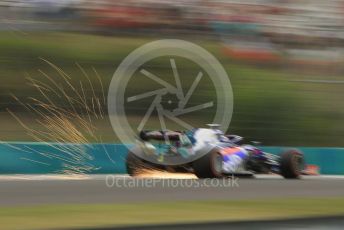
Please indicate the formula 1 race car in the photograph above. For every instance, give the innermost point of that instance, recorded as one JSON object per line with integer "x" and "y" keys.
{"x": 208, "y": 153}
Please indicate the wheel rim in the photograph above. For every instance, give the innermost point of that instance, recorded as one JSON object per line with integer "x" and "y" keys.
{"x": 298, "y": 160}
{"x": 217, "y": 164}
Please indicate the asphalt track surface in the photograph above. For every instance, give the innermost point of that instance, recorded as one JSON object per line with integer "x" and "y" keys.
{"x": 37, "y": 190}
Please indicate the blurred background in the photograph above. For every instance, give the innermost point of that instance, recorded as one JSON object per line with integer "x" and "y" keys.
{"x": 57, "y": 58}
{"x": 283, "y": 58}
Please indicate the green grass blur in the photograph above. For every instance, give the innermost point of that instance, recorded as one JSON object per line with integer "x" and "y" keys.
{"x": 79, "y": 215}
{"x": 269, "y": 106}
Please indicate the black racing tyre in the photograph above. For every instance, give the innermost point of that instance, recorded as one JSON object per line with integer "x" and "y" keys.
{"x": 291, "y": 164}
{"x": 136, "y": 165}
{"x": 209, "y": 165}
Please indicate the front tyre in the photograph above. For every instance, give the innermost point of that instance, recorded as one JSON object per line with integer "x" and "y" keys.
{"x": 209, "y": 165}
{"x": 291, "y": 164}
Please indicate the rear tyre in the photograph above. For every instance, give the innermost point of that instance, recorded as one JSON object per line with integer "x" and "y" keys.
{"x": 209, "y": 165}
{"x": 292, "y": 164}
